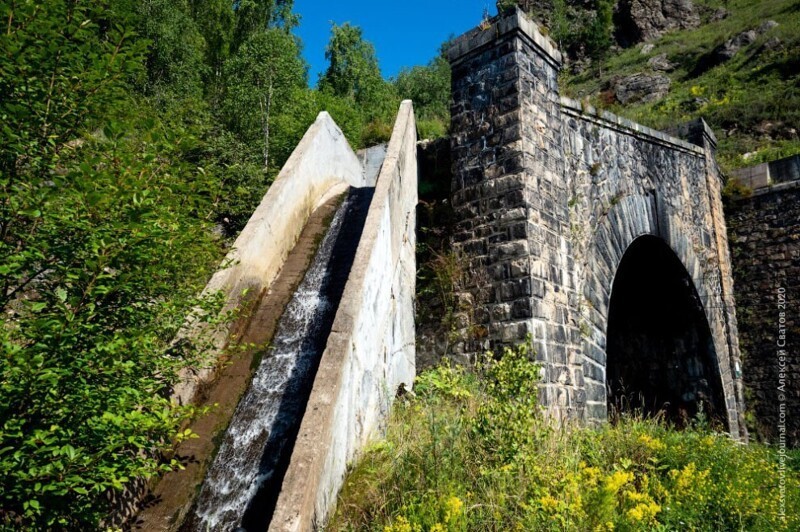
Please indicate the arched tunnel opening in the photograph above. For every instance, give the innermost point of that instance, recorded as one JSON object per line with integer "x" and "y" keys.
{"x": 660, "y": 353}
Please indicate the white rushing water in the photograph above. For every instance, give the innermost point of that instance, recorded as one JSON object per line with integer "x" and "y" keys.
{"x": 270, "y": 407}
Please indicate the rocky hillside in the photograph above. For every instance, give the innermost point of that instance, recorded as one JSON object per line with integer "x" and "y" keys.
{"x": 736, "y": 63}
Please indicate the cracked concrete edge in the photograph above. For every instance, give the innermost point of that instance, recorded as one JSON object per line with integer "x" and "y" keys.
{"x": 340, "y": 416}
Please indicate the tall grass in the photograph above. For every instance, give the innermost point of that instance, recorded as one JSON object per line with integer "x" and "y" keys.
{"x": 473, "y": 451}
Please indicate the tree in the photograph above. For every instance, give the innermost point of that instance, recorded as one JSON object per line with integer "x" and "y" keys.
{"x": 353, "y": 72}
{"x": 216, "y": 20}
{"x": 599, "y": 34}
{"x": 429, "y": 87}
{"x": 103, "y": 245}
{"x": 176, "y": 52}
{"x": 253, "y": 16}
{"x": 260, "y": 77}
{"x": 581, "y": 27}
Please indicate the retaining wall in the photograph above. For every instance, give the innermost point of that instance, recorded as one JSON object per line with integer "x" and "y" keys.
{"x": 765, "y": 244}
{"x": 370, "y": 351}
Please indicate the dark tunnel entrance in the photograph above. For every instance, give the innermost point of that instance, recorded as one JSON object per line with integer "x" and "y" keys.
{"x": 661, "y": 355}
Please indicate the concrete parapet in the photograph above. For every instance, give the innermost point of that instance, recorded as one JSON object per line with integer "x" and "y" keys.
{"x": 322, "y": 165}
{"x": 370, "y": 351}
{"x": 774, "y": 174}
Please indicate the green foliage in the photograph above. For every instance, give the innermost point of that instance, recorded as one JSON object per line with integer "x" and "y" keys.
{"x": 599, "y": 34}
{"x": 353, "y": 71}
{"x": 751, "y": 101}
{"x": 215, "y": 19}
{"x": 98, "y": 282}
{"x": 60, "y": 69}
{"x": 254, "y": 16}
{"x": 240, "y": 178}
{"x": 472, "y": 452}
{"x": 175, "y": 59}
{"x": 734, "y": 188}
{"x": 104, "y": 242}
{"x": 505, "y": 421}
{"x": 261, "y": 77}
{"x": 447, "y": 381}
{"x": 504, "y": 6}
{"x": 440, "y": 277}
{"x": 429, "y": 88}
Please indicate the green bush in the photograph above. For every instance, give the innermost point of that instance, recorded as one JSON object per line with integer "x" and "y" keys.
{"x": 104, "y": 243}
{"x": 473, "y": 451}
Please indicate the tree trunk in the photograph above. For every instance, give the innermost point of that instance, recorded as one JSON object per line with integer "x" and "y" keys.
{"x": 265, "y": 102}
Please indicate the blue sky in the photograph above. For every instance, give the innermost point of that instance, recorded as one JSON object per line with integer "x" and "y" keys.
{"x": 405, "y": 32}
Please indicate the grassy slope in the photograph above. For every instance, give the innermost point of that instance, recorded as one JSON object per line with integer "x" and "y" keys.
{"x": 753, "y": 87}
{"x": 473, "y": 452}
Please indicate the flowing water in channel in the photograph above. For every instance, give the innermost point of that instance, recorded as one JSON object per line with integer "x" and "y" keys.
{"x": 243, "y": 482}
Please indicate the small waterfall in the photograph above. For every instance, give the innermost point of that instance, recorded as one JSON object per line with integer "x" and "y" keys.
{"x": 243, "y": 482}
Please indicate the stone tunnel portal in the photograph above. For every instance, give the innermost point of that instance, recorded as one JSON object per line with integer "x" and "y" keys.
{"x": 661, "y": 356}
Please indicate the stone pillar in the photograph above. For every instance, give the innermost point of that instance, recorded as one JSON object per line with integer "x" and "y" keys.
{"x": 699, "y": 133}
{"x": 510, "y": 196}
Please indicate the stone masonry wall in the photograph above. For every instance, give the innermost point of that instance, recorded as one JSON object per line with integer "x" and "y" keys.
{"x": 765, "y": 241}
{"x": 548, "y": 195}
{"x": 510, "y": 198}
{"x": 629, "y": 181}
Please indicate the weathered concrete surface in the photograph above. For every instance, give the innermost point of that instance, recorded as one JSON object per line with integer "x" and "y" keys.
{"x": 171, "y": 498}
{"x": 548, "y": 196}
{"x": 370, "y": 351}
{"x": 765, "y": 243}
{"x": 786, "y": 170}
{"x": 322, "y": 165}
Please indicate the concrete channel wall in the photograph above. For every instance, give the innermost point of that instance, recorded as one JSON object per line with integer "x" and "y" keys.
{"x": 370, "y": 352}
{"x": 322, "y": 165}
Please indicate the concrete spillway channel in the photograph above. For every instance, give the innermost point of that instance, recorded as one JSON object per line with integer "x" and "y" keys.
{"x": 242, "y": 484}
{"x": 288, "y": 327}
{"x": 323, "y": 278}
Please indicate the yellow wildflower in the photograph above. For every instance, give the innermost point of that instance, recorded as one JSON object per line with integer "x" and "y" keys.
{"x": 689, "y": 479}
{"x": 401, "y": 525}
{"x": 644, "y": 512}
{"x": 548, "y": 503}
{"x": 618, "y": 479}
{"x": 453, "y": 508}
{"x": 654, "y": 444}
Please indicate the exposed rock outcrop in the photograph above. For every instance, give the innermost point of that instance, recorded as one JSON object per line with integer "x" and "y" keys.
{"x": 766, "y": 26}
{"x": 645, "y": 20}
{"x": 733, "y": 46}
{"x": 641, "y": 87}
{"x": 719, "y": 14}
{"x": 661, "y": 63}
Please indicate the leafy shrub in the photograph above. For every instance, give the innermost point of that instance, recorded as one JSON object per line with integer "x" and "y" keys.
{"x": 104, "y": 242}
{"x": 472, "y": 451}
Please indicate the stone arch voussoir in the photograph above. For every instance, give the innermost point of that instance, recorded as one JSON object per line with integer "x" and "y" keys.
{"x": 632, "y": 217}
